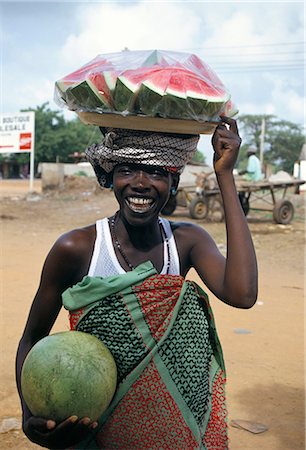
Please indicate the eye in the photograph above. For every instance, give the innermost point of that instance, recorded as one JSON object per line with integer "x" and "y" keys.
{"x": 158, "y": 172}
{"x": 124, "y": 170}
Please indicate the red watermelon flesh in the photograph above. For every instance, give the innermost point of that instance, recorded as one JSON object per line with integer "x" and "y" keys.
{"x": 155, "y": 83}
{"x": 87, "y": 87}
{"x": 97, "y": 65}
{"x": 178, "y": 93}
{"x": 195, "y": 64}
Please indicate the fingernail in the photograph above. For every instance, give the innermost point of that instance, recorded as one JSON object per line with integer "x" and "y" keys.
{"x": 73, "y": 419}
{"x": 86, "y": 420}
{"x": 50, "y": 424}
{"x": 94, "y": 425}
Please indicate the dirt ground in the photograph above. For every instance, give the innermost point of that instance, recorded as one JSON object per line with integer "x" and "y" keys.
{"x": 263, "y": 347}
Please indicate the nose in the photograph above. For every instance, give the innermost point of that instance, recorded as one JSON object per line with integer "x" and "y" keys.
{"x": 140, "y": 179}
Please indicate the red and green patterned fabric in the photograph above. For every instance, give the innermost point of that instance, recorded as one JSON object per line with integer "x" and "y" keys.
{"x": 171, "y": 377}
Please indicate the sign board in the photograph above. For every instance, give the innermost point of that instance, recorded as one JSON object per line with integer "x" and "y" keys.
{"x": 17, "y": 132}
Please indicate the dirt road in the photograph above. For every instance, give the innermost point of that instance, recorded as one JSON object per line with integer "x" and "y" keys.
{"x": 263, "y": 347}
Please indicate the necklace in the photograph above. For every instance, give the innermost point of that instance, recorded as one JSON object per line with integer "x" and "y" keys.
{"x": 165, "y": 239}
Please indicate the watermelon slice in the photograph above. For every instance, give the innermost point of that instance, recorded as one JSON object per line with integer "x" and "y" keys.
{"x": 127, "y": 86}
{"x": 88, "y": 87}
{"x": 179, "y": 93}
{"x": 85, "y": 95}
{"x": 154, "y": 83}
{"x": 196, "y": 65}
{"x": 229, "y": 109}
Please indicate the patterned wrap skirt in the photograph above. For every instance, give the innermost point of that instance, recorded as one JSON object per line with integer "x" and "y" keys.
{"x": 171, "y": 376}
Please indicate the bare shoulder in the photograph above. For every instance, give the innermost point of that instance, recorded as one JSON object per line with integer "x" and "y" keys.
{"x": 70, "y": 256}
{"x": 76, "y": 240}
{"x": 192, "y": 240}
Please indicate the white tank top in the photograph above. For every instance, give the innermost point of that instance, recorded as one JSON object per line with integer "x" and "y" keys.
{"x": 104, "y": 261}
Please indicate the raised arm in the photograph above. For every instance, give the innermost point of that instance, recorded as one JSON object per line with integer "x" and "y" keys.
{"x": 232, "y": 279}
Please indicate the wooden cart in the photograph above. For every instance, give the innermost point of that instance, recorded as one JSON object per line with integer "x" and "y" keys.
{"x": 204, "y": 205}
{"x": 269, "y": 196}
{"x": 260, "y": 196}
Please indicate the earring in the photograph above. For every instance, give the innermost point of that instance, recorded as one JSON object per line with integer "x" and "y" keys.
{"x": 111, "y": 186}
{"x": 173, "y": 191}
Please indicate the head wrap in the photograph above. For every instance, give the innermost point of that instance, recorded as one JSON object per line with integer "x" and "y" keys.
{"x": 166, "y": 150}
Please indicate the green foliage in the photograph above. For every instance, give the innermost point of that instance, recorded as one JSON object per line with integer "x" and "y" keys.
{"x": 283, "y": 140}
{"x": 81, "y": 173}
{"x": 56, "y": 139}
{"x": 198, "y": 157}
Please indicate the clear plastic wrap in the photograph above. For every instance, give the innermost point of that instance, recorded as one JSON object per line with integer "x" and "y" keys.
{"x": 152, "y": 84}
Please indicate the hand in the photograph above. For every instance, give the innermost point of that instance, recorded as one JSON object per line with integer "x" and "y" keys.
{"x": 58, "y": 436}
{"x": 226, "y": 143}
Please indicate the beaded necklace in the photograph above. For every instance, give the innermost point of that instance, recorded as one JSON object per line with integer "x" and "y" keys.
{"x": 112, "y": 221}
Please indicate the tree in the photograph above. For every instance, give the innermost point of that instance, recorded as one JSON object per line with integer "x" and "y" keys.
{"x": 56, "y": 139}
{"x": 283, "y": 140}
{"x": 198, "y": 157}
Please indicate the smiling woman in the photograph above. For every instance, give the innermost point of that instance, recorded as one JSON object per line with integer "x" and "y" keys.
{"x": 123, "y": 280}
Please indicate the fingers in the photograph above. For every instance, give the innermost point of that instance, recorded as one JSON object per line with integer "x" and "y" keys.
{"x": 77, "y": 424}
{"x": 43, "y": 426}
{"x": 51, "y": 435}
{"x": 231, "y": 122}
{"x": 40, "y": 425}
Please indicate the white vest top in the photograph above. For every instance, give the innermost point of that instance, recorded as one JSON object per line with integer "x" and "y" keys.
{"x": 104, "y": 261}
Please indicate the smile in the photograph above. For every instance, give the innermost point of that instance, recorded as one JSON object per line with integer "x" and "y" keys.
{"x": 139, "y": 204}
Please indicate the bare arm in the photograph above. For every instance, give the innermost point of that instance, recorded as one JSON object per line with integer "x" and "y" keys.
{"x": 65, "y": 265}
{"x": 232, "y": 279}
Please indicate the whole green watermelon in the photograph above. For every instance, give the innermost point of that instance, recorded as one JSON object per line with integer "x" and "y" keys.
{"x": 68, "y": 373}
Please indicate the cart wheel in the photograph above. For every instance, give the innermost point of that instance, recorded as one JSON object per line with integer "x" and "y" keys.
{"x": 170, "y": 206}
{"x": 283, "y": 212}
{"x": 198, "y": 207}
{"x": 216, "y": 210}
{"x": 244, "y": 202}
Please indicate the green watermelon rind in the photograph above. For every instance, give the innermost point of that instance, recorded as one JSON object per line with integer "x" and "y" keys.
{"x": 148, "y": 99}
{"x": 57, "y": 391}
{"x": 130, "y": 97}
{"x": 85, "y": 95}
{"x": 124, "y": 94}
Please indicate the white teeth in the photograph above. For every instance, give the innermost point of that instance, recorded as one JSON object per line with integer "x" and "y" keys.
{"x": 139, "y": 205}
{"x": 140, "y": 201}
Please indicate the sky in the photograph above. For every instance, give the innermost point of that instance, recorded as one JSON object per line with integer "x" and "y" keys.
{"x": 256, "y": 48}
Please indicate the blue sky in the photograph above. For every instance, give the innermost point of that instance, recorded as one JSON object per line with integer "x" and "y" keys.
{"x": 256, "y": 48}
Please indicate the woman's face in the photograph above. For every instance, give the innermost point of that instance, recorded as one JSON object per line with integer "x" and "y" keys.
{"x": 141, "y": 191}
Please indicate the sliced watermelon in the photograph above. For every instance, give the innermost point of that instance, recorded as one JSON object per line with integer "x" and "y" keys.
{"x": 85, "y": 96}
{"x": 151, "y": 92}
{"x": 178, "y": 93}
{"x": 229, "y": 109}
{"x": 97, "y": 65}
{"x": 153, "y": 83}
{"x": 110, "y": 79}
{"x": 75, "y": 87}
{"x": 127, "y": 86}
{"x": 196, "y": 65}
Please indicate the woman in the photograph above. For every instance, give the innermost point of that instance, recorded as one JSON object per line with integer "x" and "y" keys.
{"x": 171, "y": 373}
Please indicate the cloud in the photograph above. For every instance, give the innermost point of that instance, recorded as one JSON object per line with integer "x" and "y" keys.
{"x": 107, "y": 28}
{"x": 224, "y": 34}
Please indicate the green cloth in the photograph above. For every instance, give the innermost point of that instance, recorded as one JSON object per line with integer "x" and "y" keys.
{"x": 171, "y": 375}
